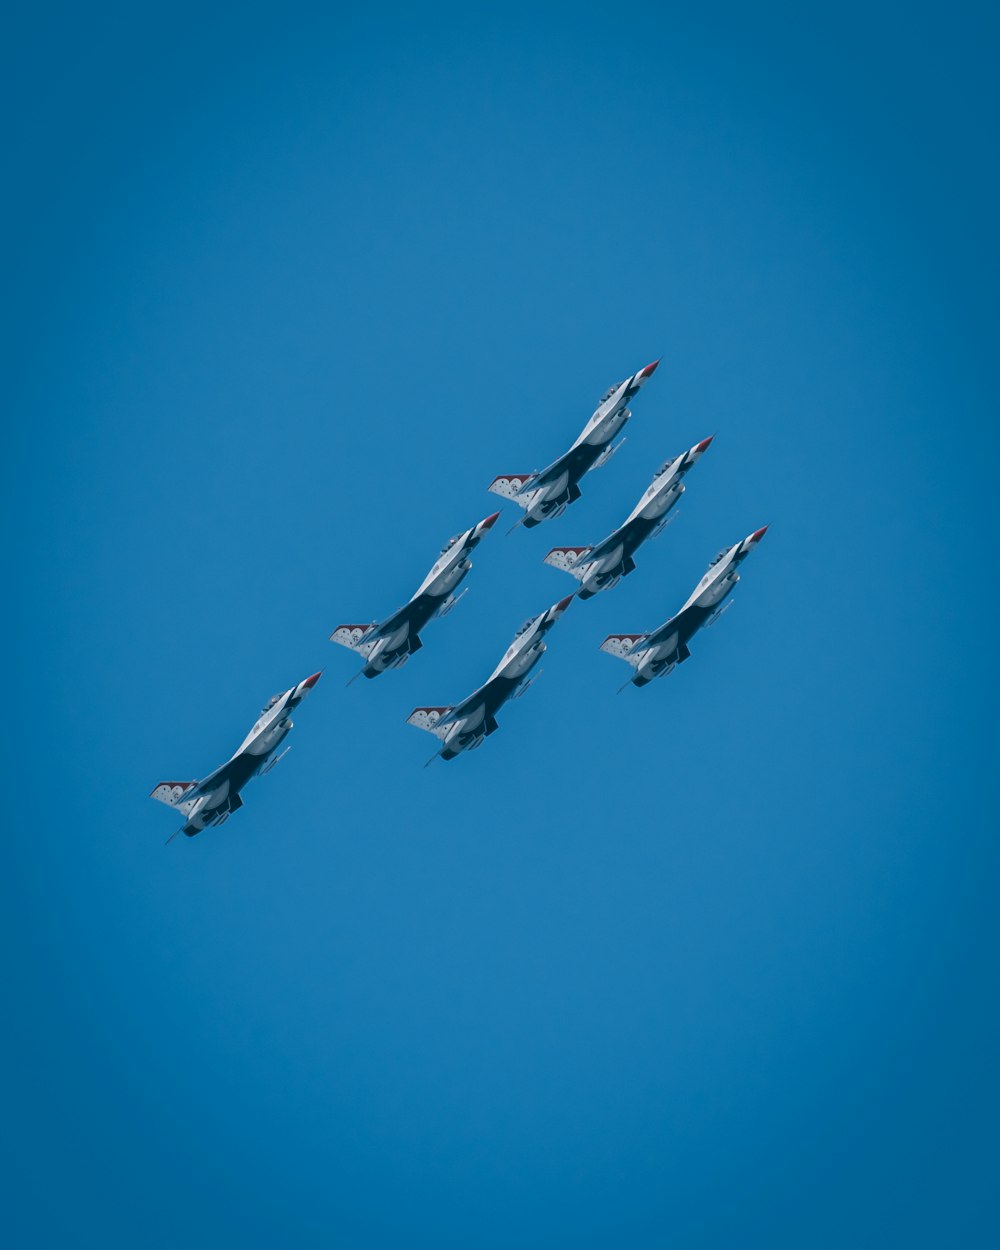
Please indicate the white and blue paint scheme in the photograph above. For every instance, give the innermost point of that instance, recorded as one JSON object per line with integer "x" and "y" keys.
{"x": 549, "y": 493}
{"x": 657, "y": 654}
{"x": 602, "y": 566}
{"x": 390, "y": 643}
{"x": 466, "y": 725}
{"x": 213, "y": 800}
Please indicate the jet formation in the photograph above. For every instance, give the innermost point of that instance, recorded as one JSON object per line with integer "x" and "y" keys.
{"x": 389, "y": 643}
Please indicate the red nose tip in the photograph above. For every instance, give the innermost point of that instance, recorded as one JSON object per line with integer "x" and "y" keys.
{"x": 490, "y": 520}
{"x": 311, "y": 681}
{"x": 563, "y": 604}
{"x": 757, "y": 535}
{"x": 649, "y": 370}
{"x": 704, "y": 443}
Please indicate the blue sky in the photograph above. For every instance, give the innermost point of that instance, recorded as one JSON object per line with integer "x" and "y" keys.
{"x": 706, "y": 964}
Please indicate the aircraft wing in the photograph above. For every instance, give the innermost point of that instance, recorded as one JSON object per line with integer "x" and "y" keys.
{"x": 569, "y": 559}
{"x": 438, "y": 720}
{"x": 398, "y": 618}
{"x": 663, "y": 632}
{"x": 555, "y": 470}
{"x": 430, "y": 719}
{"x": 184, "y": 798}
{"x": 607, "y": 545}
{"x": 173, "y": 794}
{"x": 512, "y": 485}
{"x": 350, "y": 636}
{"x": 620, "y": 646}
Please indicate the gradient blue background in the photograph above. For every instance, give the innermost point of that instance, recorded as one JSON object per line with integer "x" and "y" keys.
{"x": 707, "y": 965}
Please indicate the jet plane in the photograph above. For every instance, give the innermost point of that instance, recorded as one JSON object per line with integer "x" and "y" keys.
{"x": 213, "y": 800}
{"x": 603, "y": 566}
{"x": 549, "y": 493}
{"x": 465, "y": 726}
{"x": 390, "y": 643}
{"x": 656, "y": 654}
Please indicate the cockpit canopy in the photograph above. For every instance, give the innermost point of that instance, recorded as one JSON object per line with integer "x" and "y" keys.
{"x": 611, "y": 390}
{"x": 525, "y": 627}
{"x": 271, "y": 702}
{"x": 450, "y": 543}
{"x": 667, "y": 464}
{"x": 716, "y": 558}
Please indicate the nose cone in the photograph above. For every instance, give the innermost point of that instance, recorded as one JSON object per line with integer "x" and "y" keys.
{"x": 704, "y": 446}
{"x": 757, "y": 535}
{"x": 563, "y": 604}
{"x": 311, "y": 681}
{"x": 489, "y": 522}
{"x": 648, "y": 371}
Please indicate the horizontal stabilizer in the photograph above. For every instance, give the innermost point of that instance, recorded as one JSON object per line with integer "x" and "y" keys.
{"x": 350, "y": 636}
{"x": 511, "y": 486}
{"x": 621, "y": 646}
{"x": 172, "y": 793}
{"x": 428, "y": 718}
{"x": 568, "y": 559}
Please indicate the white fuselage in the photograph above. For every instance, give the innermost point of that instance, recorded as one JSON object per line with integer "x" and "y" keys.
{"x": 522, "y": 655}
{"x": 447, "y": 571}
{"x": 608, "y": 418}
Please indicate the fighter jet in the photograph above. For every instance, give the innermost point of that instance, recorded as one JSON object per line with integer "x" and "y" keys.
{"x": 465, "y": 726}
{"x": 390, "y": 643}
{"x": 603, "y": 566}
{"x": 213, "y": 800}
{"x": 656, "y": 654}
{"x": 549, "y": 493}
